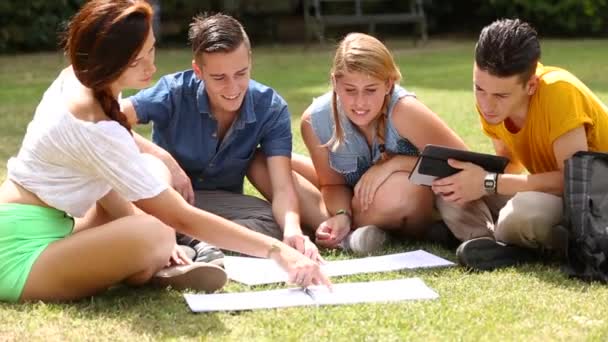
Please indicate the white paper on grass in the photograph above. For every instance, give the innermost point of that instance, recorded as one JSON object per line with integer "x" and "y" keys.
{"x": 345, "y": 293}
{"x": 255, "y": 271}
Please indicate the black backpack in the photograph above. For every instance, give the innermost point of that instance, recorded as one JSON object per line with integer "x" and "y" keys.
{"x": 586, "y": 215}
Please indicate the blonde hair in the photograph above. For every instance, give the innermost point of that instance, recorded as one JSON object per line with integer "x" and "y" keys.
{"x": 359, "y": 52}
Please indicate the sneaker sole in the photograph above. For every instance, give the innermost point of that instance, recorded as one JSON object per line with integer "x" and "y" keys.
{"x": 487, "y": 255}
{"x": 217, "y": 262}
{"x": 202, "y": 277}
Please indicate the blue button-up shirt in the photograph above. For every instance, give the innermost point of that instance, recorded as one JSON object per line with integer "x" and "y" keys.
{"x": 178, "y": 106}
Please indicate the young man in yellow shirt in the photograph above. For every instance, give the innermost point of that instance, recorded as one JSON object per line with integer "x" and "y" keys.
{"x": 537, "y": 116}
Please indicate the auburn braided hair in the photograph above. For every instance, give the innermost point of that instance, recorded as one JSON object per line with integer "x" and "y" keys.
{"x": 101, "y": 41}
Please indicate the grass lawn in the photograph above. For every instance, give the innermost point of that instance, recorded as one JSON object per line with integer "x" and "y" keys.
{"x": 535, "y": 302}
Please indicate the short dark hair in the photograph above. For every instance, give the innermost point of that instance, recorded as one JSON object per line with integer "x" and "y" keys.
{"x": 508, "y": 47}
{"x": 216, "y": 33}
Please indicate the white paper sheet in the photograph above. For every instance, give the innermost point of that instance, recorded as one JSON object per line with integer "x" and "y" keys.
{"x": 255, "y": 271}
{"x": 345, "y": 293}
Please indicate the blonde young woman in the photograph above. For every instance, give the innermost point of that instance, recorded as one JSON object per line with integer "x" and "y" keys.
{"x": 363, "y": 138}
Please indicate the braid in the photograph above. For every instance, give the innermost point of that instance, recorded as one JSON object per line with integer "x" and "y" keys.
{"x": 381, "y": 127}
{"x": 111, "y": 108}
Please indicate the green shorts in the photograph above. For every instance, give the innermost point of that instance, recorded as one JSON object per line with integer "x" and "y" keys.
{"x": 25, "y": 231}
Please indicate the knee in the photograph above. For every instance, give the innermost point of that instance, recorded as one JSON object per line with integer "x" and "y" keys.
{"x": 405, "y": 203}
{"x": 410, "y": 209}
{"x": 155, "y": 240}
{"x": 523, "y": 228}
{"x": 152, "y": 243}
{"x": 391, "y": 205}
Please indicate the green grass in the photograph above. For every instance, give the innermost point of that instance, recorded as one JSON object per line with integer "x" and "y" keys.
{"x": 535, "y": 302}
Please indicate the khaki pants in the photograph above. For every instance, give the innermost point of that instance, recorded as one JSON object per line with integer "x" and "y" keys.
{"x": 526, "y": 219}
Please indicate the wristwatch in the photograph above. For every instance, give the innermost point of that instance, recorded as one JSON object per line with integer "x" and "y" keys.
{"x": 490, "y": 182}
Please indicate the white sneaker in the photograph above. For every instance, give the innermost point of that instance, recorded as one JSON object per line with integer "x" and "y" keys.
{"x": 365, "y": 240}
{"x": 198, "y": 276}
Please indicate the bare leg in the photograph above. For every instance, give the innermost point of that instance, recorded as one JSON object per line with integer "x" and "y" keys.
{"x": 130, "y": 249}
{"x": 303, "y": 165}
{"x": 406, "y": 212}
{"x": 312, "y": 207}
{"x": 94, "y": 217}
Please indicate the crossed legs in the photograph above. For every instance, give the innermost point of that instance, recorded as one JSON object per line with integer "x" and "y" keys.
{"x": 130, "y": 249}
{"x": 100, "y": 252}
{"x": 403, "y": 212}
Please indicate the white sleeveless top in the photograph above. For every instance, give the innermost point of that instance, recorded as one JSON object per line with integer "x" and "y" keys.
{"x": 70, "y": 163}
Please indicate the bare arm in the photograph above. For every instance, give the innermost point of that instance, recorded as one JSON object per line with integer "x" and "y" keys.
{"x": 179, "y": 179}
{"x": 174, "y": 211}
{"x": 501, "y": 150}
{"x": 421, "y": 126}
{"x": 284, "y": 200}
{"x": 551, "y": 182}
{"x": 170, "y": 208}
{"x": 285, "y": 206}
{"x": 145, "y": 145}
{"x": 467, "y": 185}
{"x": 418, "y": 124}
{"x": 336, "y": 193}
{"x": 334, "y": 190}
{"x": 116, "y": 206}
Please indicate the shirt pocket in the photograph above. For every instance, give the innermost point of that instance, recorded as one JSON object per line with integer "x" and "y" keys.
{"x": 343, "y": 163}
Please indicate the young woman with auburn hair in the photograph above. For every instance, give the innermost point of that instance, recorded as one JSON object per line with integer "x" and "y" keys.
{"x": 79, "y": 160}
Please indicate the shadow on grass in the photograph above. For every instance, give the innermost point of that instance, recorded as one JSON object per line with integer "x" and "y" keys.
{"x": 552, "y": 273}
{"x": 548, "y": 271}
{"x": 146, "y": 311}
{"x": 160, "y": 313}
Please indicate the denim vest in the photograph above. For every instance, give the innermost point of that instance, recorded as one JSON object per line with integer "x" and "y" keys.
{"x": 354, "y": 157}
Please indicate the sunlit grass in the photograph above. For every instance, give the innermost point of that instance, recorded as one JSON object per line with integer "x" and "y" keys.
{"x": 534, "y": 303}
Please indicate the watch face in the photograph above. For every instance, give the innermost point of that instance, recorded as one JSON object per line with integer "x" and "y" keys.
{"x": 488, "y": 184}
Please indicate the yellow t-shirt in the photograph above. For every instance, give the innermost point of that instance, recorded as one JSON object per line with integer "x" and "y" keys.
{"x": 561, "y": 103}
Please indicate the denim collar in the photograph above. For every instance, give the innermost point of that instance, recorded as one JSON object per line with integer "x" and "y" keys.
{"x": 246, "y": 113}
{"x": 353, "y": 135}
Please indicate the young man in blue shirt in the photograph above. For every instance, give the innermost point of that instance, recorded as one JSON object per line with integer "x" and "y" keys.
{"x": 210, "y": 120}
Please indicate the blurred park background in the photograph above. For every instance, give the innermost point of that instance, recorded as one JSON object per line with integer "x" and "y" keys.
{"x": 33, "y": 25}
